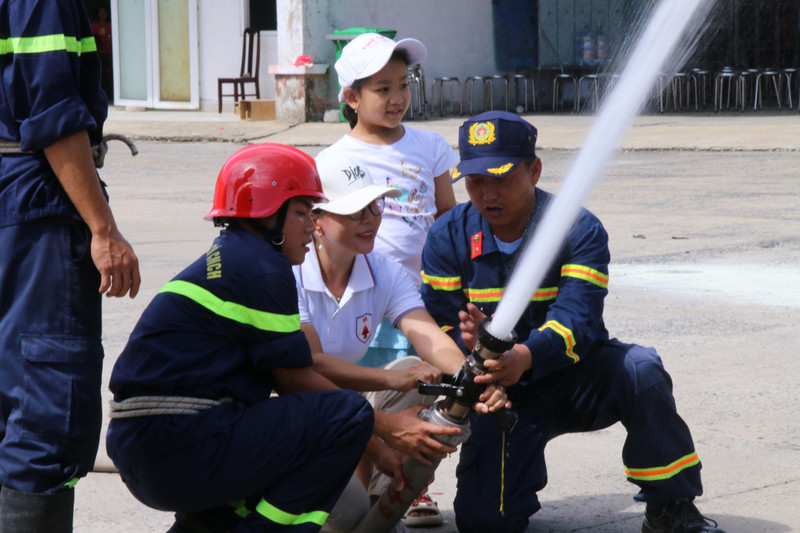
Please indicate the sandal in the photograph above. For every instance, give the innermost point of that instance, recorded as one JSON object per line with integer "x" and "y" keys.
{"x": 428, "y": 513}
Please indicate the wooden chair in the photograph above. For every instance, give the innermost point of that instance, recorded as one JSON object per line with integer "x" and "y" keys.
{"x": 248, "y": 73}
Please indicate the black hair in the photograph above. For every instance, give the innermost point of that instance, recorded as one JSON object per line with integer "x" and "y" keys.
{"x": 350, "y": 113}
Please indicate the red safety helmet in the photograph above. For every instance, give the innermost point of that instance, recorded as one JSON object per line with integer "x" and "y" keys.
{"x": 257, "y": 179}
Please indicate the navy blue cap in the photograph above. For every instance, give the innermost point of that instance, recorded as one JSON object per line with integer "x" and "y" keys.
{"x": 493, "y": 144}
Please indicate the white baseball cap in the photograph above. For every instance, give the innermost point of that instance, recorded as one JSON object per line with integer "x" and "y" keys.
{"x": 348, "y": 185}
{"x": 368, "y": 53}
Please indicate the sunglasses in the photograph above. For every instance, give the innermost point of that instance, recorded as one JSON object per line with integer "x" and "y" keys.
{"x": 375, "y": 207}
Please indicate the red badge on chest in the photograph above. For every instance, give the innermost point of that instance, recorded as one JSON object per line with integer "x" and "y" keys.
{"x": 364, "y": 327}
{"x": 476, "y": 245}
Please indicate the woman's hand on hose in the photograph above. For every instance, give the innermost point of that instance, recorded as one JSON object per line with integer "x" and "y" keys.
{"x": 406, "y": 379}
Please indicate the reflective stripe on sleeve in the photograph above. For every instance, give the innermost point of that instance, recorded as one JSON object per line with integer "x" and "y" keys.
{"x": 47, "y": 43}
{"x": 663, "y": 472}
{"x": 495, "y": 295}
{"x": 441, "y": 283}
{"x": 269, "y": 511}
{"x": 566, "y": 334}
{"x": 258, "y": 319}
{"x": 587, "y": 274}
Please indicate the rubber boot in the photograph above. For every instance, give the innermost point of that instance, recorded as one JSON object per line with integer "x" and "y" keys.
{"x": 26, "y": 512}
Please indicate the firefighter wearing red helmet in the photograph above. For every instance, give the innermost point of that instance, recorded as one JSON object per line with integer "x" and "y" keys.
{"x": 194, "y": 428}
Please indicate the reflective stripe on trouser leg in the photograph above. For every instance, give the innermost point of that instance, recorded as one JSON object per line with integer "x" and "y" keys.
{"x": 659, "y": 455}
{"x": 272, "y": 513}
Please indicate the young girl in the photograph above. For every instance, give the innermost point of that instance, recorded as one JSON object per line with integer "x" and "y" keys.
{"x": 373, "y": 74}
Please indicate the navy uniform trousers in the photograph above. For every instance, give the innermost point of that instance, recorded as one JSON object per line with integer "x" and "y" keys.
{"x": 616, "y": 383}
{"x": 277, "y": 459}
{"x": 51, "y": 356}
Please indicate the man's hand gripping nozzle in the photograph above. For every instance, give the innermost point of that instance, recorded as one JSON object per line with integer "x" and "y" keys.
{"x": 462, "y": 392}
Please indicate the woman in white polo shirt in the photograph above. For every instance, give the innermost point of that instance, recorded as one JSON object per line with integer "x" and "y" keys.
{"x": 345, "y": 289}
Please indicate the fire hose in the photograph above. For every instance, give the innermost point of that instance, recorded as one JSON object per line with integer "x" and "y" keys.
{"x": 99, "y": 150}
{"x": 452, "y": 410}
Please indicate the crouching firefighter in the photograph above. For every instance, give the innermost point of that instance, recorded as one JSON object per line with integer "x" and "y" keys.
{"x": 194, "y": 428}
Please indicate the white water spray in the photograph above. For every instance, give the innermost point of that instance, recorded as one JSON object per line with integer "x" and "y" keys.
{"x": 657, "y": 49}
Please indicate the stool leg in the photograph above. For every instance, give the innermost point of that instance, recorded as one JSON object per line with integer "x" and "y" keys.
{"x": 777, "y": 90}
{"x": 433, "y": 95}
{"x": 756, "y": 98}
{"x": 555, "y": 93}
{"x": 789, "y": 89}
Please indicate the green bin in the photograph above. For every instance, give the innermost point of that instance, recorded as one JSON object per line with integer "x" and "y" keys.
{"x": 348, "y": 35}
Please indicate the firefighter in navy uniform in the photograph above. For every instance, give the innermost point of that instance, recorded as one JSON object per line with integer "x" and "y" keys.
{"x": 566, "y": 374}
{"x": 193, "y": 426}
{"x": 61, "y": 250}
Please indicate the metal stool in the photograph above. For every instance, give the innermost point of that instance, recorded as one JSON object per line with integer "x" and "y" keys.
{"x": 662, "y": 88}
{"x": 448, "y": 85}
{"x": 488, "y": 90}
{"x": 789, "y": 73}
{"x": 593, "y": 80}
{"x": 469, "y": 89}
{"x": 558, "y": 83}
{"x": 747, "y": 82}
{"x": 700, "y": 84}
{"x": 416, "y": 86}
{"x": 735, "y": 82}
{"x": 776, "y": 78}
{"x": 679, "y": 80}
{"x": 517, "y": 81}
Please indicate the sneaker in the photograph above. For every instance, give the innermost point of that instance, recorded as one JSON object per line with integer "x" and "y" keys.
{"x": 679, "y": 516}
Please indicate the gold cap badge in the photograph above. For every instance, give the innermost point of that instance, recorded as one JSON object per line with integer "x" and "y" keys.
{"x": 481, "y": 133}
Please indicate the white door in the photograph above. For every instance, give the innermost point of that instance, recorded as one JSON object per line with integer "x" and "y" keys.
{"x": 155, "y": 53}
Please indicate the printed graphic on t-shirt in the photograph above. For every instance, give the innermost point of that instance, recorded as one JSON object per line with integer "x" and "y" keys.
{"x": 364, "y": 327}
{"x": 412, "y": 205}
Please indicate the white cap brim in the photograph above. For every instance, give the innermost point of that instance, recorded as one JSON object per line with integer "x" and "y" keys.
{"x": 358, "y": 199}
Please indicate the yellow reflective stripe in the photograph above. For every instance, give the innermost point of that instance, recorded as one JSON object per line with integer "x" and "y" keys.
{"x": 269, "y": 511}
{"x": 47, "y": 43}
{"x": 587, "y": 274}
{"x": 663, "y": 472}
{"x": 484, "y": 295}
{"x": 545, "y": 293}
{"x": 440, "y": 283}
{"x": 566, "y": 334}
{"x": 258, "y": 319}
{"x": 495, "y": 295}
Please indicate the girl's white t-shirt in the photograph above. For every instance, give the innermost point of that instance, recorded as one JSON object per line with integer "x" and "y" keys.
{"x": 410, "y": 164}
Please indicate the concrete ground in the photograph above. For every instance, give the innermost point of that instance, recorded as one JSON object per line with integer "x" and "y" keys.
{"x": 703, "y": 213}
